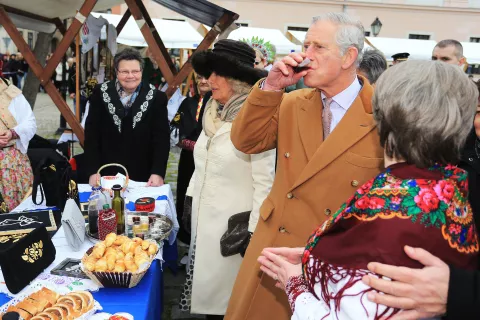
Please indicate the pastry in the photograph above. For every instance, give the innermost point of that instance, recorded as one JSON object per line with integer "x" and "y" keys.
{"x": 152, "y": 249}
{"x": 110, "y": 239}
{"x": 120, "y": 240}
{"x": 145, "y": 244}
{"x": 120, "y": 255}
{"x": 37, "y": 317}
{"x": 49, "y": 316}
{"x": 89, "y": 299}
{"x": 127, "y": 246}
{"x": 111, "y": 257}
{"x": 134, "y": 246}
{"x": 28, "y": 306}
{"x": 130, "y": 263}
{"x": 140, "y": 259}
{"x": 73, "y": 302}
{"x": 59, "y": 312}
{"x": 98, "y": 250}
{"x": 68, "y": 309}
{"x": 49, "y": 295}
{"x": 119, "y": 266}
{"x": 139, "y": 250}
{"x": 90, "y": 263}
{"x": 40, "y": 304}
{"x": 24, "y": 314}
{"x": 101, "y": 265}
{"x": 84, "y": 300}
{"x": 137, "y": 240}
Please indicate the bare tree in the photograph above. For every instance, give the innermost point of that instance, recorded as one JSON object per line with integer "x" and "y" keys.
{"x": 32, "y": 83}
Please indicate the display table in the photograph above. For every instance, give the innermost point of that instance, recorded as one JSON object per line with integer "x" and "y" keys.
{"x": 145, "y": 301}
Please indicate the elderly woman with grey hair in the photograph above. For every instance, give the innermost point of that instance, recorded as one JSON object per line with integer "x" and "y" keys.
{"x": 127, "y": 124}
{"x": 420, "y": 200}
{"x": 373, "y": 64}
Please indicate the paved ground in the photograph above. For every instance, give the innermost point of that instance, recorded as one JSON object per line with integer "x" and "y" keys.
{"x": 48, "y": 121}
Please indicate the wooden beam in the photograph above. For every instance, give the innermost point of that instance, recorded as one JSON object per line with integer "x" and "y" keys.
{"x": 223, "y": 23}
{"x": 74, "y": 28}
{"x": 27, "y": 14}
{"x": 155, "y": 43}
{"x": 63, "y": 29}
{"x": 123, "y": 21}
{"x": 37, "y": 68}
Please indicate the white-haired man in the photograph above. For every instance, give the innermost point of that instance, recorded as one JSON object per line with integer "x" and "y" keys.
{"x": 327, "y": 146}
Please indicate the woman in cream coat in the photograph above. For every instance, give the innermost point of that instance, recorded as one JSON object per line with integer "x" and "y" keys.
{"x": 226, "y": 181}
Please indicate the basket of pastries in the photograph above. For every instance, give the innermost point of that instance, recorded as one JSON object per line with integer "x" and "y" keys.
{"x": 119, "y": 261}
{"x": 47, "y": 304}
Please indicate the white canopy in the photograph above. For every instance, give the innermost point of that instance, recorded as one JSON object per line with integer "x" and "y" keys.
{"x": 297, "y": 36}
{"x": 471, "y": 51}
{"x": 275, "y": 36}
{"x": 56, "y": 8}
{"x": 174, "y": 34}
{"x": 418, "y": 49}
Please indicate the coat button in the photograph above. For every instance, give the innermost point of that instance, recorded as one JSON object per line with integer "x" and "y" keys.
{"x": 289, "y": 195}
{"x": 470, "y": 159}
{"x": 287, "y": 155}
{"x": 282, "y": 230}
{"x": 328, "y": 212}
{"x": 355, "y": 183}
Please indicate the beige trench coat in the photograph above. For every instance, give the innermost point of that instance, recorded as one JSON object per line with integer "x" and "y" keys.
{"x": 226, "y": 181}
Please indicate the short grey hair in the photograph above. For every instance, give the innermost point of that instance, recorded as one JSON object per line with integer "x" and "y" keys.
{"x": 128, "y": 54}
{"x": 350, "y": 31}
{"x": 424, "y": 111}
{"x": 454, "y": 43}
{"x": 373, "y": 64}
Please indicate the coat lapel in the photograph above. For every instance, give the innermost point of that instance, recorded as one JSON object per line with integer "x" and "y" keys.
{"x": 142, "y": 103}
{"x": 310, "y": 125}
{"x": 357, "y": 123}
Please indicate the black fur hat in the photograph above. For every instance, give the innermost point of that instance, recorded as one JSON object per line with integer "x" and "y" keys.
{"x": 231, "y": 59}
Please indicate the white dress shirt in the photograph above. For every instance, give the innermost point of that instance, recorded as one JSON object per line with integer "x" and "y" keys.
{"x": 342, "y": 101}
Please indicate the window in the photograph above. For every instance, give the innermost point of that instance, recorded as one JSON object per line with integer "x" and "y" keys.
{"x": 419, "y": 36}
{"x": 242, "y": 24}
{"x": 475, "y": 39}
{"x": 305, "y": 29}
{"x": 367, "y": 33}
{"x": 30, "y": 40}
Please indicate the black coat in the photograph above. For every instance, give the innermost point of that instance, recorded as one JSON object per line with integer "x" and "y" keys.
{"x": 464, "y": 286}
{"x": 140, "y": 140}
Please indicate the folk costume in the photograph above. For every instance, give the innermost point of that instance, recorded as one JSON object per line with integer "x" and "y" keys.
{"x": 16, "y": 115}
{"x": 404, "y": 205}
{"x": 132, "y": 130}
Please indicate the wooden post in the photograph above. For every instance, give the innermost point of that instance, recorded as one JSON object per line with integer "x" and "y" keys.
{"x": 224, "y": 22}
{"x": 123, "y": 21}
{"x": 155, "y": 44}
{"x": 77, "y": 78}
{"x": 67, "y": 40}
{"x": 37, "y": 68}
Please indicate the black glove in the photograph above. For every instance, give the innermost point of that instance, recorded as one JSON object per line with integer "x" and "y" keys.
{"x": 245, "y": 245}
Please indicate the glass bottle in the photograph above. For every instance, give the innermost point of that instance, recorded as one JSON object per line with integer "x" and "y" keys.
{"x": 118, "y": 205}
{"x": 96, "y": 201}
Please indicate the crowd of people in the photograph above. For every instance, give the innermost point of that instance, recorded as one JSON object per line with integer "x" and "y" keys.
{"x": 345, "y": 189}
{"x": 13, "y": 67}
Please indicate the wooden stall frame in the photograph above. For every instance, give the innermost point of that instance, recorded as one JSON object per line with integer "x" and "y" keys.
{"x": 136, "y": 9}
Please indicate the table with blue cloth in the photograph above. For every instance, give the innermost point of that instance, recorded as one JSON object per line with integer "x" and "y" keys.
{"x": 144, "y": 301}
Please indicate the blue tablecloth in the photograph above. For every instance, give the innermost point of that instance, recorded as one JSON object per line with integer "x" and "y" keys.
{"x": 145, "y": 301}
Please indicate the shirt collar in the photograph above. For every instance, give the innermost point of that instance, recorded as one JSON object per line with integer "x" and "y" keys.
{"x": 345, "y": 98}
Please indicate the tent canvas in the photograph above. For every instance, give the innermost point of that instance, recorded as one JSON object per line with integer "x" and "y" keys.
{"x": 174, "y": 34}
{"x": 471, "y": 51}
{"x": 418, "y": 49}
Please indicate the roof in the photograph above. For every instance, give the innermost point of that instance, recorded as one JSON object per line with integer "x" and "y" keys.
{"x": 418, "y": 49}
{"x": 202, "y": 11}
{"x": 174, "y": 34}
{"x": 56, "y": 9}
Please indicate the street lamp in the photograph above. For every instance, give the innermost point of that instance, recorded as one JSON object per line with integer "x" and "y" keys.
{"x": 376, "y": 27}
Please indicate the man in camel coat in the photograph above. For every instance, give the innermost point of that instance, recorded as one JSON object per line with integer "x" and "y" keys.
{"x": 327, "y": 146}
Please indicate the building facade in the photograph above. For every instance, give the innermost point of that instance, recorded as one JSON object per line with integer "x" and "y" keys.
{"x": 7, "y": 45}
{"x": 414, "y": 19}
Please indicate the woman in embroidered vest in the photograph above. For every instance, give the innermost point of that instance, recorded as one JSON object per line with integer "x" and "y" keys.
{"x": 420, "y": 200}
{"x": 127, "y": 123}
{"x": 225, "y": 182}
{"x": 17, "y": 127}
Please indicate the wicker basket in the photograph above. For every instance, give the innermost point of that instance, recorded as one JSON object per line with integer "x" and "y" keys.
{"x": 116, "y": 279}
{"x": 124, "y": 187}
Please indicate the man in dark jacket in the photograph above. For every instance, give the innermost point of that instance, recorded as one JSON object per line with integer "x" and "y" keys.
{"x": 437, "y": 289}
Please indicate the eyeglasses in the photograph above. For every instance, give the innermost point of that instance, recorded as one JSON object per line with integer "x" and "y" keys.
{"x": 125, "y": 73}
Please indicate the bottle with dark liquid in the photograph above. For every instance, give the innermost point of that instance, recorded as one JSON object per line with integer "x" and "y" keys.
{"x": 118, "y": 205}
{"x": 95, "y": 204}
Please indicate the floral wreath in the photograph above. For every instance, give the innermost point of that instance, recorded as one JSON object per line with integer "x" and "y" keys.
{"x": 265, "y": 47}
